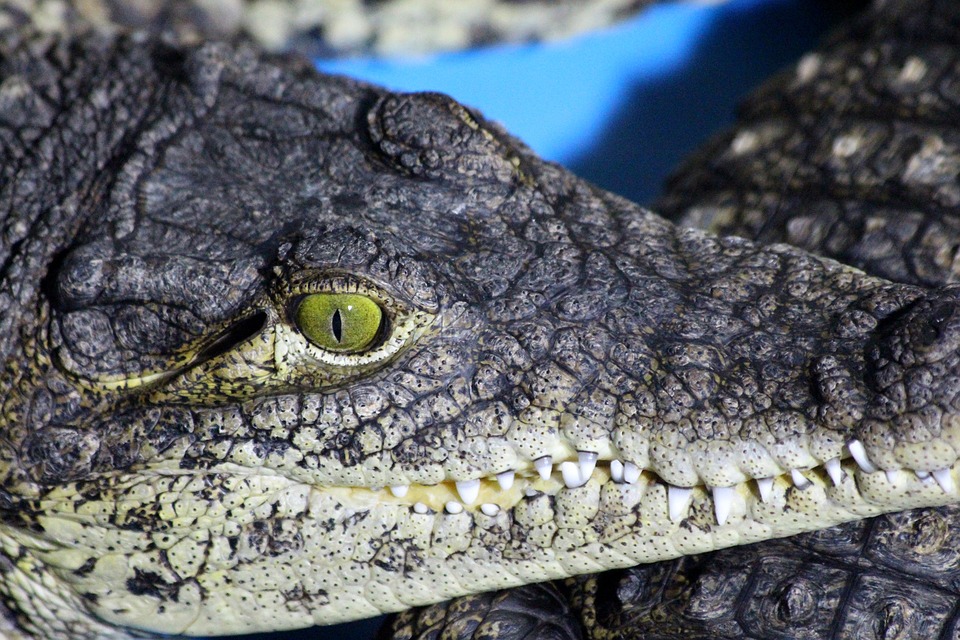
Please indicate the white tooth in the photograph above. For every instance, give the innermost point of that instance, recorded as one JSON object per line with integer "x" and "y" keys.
{"x": 765, "y": 485}
{"x": 631, "y": 473}
{"x": 399, "y": 490}
{"x": 544, "y": 466}
{"x": 571, "y": 475}
{"x": 891, "y": 476}
{"x": 588, "y": 462}
{"x": 420, "y": 508}
{"x": 490, "y": 509}
{"x": 860, "y": 455}
{"x": 453, "y": 507}
{"x": 923, "y": 475}
{"x": 834, "y": 471}
{"x": 723, "y": 502}
{"x": 469, "y": 490}
{"x": 944, "y": 479}
{"x": 505, "y": 480}
{"x": 799, "y": 479}
{"x": 616, "y": 471}
{"x": 530, "y": 492}
{"x": 677, "y": 498}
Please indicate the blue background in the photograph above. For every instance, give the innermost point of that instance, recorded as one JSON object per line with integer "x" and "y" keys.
{"x": 619, "y": 107}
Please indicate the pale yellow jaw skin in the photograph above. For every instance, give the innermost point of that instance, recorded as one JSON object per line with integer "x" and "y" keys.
{"x": 326, "y": 555}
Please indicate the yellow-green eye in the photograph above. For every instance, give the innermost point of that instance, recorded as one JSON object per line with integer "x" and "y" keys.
{"x": 341, "y": 322}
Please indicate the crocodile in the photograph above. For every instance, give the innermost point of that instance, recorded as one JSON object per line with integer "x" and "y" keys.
{"x": 284, "y": 349}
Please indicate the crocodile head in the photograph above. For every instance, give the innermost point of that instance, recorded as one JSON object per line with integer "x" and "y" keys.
{"x": 301, "y": 350}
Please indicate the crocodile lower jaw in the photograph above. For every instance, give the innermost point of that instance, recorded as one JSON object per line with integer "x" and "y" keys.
{"x": 364, "y": 552}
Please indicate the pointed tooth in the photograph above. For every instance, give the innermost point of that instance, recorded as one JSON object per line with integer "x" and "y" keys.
{"x": 616, "y": 471}
{"x": 834, "y": 471}
{"x": 677, "y": 502}
{"x": 490, "y": 509}
{"x": 469, "y": 490}
{"x": 765, "y": 485}
{"x": 419, "y": 507}
{"x": 530, "y": 492}
{"x": 891, "y": 476}
{"x": 631, "y": 473}
{"x": 799, "y": 479}
{"x": 399, "y": 490}
{"x": 544, "y": 466}
{"x": 571, "y": 475}
{"x": 923, "y": 475}
{"x": 860, "y": 455}
{"x": 453, "y": 507}
{"x": 588, "y": 462}
{"x": 944, "y": 479}
{"x": 723, "y": 502}
{"x": 505, "y": 480}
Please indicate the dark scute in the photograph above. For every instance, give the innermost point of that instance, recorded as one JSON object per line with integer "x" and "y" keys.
{"x": 55, "y": 454}
{"x": 531, "y": 612}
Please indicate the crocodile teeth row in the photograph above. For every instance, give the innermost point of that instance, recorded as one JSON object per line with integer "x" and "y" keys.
{"x": 454, "y": 507}
{"x": 859, "y": 454}
{"x": 577, "y": 474}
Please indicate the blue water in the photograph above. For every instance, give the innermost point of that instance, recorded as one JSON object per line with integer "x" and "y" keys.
{"x": 557, "y": 95}
{"x": 620, "y": 107}
{"x": 623, "y": 106}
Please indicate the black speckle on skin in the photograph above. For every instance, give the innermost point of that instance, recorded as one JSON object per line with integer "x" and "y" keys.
{"x": 151, "y": 584}
{"x": 86, "y": 568}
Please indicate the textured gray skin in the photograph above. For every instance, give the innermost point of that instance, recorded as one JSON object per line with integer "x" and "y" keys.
{"x": 151, "y": 197}
{"x": 887, "y": 206}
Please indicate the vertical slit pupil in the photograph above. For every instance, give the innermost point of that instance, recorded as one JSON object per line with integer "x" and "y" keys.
{"x": 337, "y": 326}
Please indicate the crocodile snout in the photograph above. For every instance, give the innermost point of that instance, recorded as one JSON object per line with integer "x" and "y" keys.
{"x": 925, "y": 332}
{"x": 915, "y": 370}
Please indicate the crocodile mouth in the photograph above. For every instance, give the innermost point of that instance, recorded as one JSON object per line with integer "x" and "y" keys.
{"x": 546, "y": 475}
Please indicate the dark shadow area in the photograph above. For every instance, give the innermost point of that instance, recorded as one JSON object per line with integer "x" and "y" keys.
{"x": 661, "y": 122}
{"x": 360, "y": 630}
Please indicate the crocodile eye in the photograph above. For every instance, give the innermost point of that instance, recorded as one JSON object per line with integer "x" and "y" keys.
{"x": 339, "y": 322}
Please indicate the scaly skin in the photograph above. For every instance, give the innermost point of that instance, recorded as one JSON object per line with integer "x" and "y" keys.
{"x": 852, "y": 154}
{"x": 177, "y": 456}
